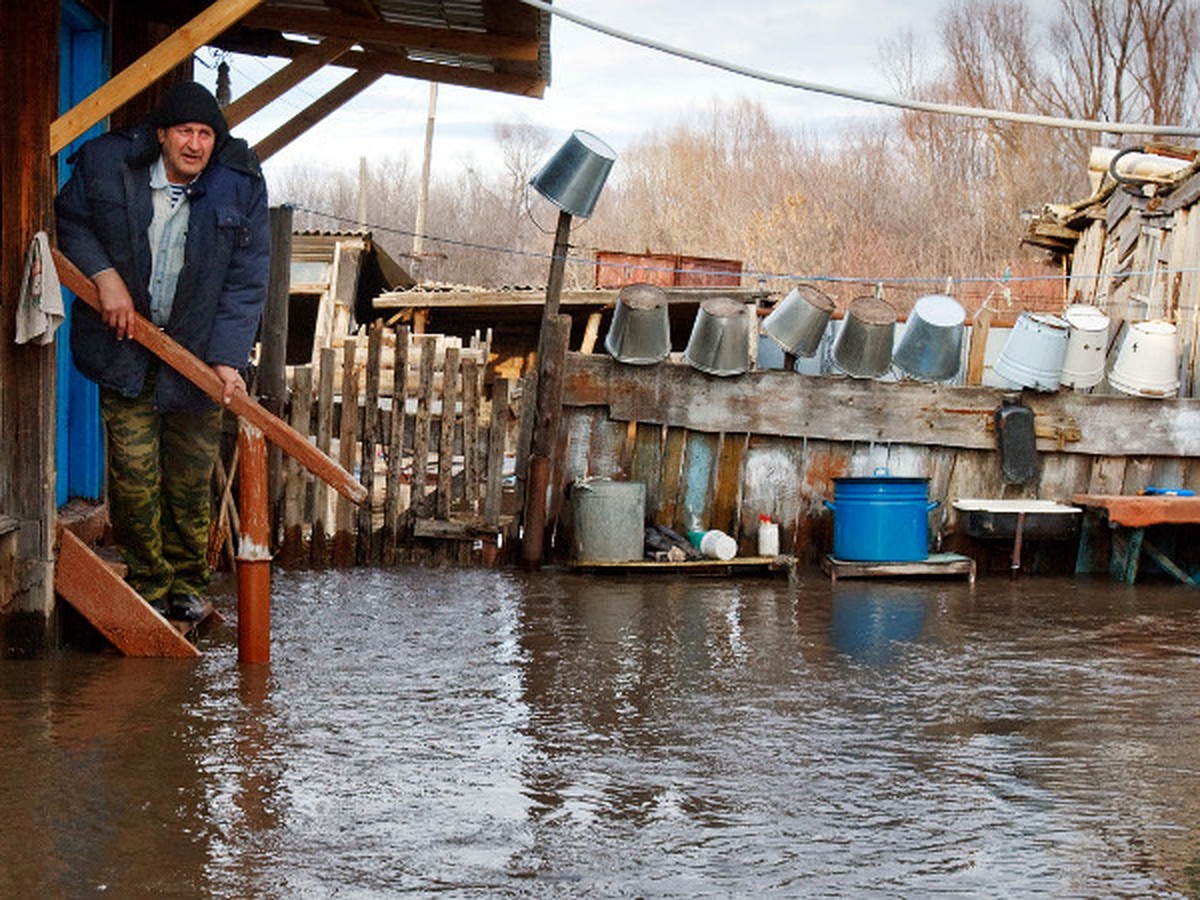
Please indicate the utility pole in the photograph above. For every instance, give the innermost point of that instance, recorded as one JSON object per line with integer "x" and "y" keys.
{"x": 423, "y": 194}
{"x": 362, "y": 191}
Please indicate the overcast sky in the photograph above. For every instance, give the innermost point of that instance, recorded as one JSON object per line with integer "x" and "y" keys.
{"x": 616, "y": 90}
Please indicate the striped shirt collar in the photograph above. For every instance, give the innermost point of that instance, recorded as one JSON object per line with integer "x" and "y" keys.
{"x": 159, "y": 182}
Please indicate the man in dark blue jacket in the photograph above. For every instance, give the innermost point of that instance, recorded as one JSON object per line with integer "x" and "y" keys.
{"x": 170, "y": 220}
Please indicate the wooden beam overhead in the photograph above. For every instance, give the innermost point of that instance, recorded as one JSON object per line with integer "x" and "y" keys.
{"x": 131, "y": 81}
{"x": 360, "y": 30}
{"x": 315, "y": 112}
{"x": 302, "y": 66}
{"x": 364, "y": 8}
{"x": 397, "y": 64}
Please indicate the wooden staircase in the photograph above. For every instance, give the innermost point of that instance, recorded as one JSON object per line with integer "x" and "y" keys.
{"x": 93, "y": 586}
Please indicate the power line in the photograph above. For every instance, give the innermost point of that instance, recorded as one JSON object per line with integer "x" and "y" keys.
{"x": 950, "y": 109}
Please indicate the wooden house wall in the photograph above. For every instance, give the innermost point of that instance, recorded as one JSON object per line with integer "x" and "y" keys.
{"x": 1138, "y": 257}
{"x": 720, "y": 452}
{"x": 29, "y": 96}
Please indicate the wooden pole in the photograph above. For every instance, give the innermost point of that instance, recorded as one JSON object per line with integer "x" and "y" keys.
{"x": 272, "y": 367}
{"x": 418, "y": 250}
{"x": 293, "y": 443}
{"x": 554, "y": 282}
{"x": 542, "y": 442}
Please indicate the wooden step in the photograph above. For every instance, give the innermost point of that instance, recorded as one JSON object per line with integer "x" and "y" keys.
{"x": 117, "y": 611}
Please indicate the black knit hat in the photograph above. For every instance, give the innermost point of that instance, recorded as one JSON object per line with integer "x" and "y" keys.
{"x": 188, "y": 101}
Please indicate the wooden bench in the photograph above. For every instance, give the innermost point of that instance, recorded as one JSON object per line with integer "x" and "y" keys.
{"x": 1128, "y": 517}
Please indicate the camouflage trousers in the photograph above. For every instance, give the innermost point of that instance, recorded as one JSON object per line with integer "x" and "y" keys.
{"x": 159, "y": 469}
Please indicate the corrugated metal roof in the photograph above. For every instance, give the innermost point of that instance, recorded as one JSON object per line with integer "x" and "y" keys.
{"x": 499, "y": 45}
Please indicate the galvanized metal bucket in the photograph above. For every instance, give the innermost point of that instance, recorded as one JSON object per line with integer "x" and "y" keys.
{"x": 1148, "y": 362}
{"x": 574, "y": 176}
{"x": 609, "y": 520}
{"x": 798, "y": 322}
{"x": 1033, "y": 355}
{"x": 720, "y": 339}
{"x": 863, "y": 346}
{"x": 931, "y": 346}
{"x": 1083, "y": 365}
{"x": 640, "y": 333}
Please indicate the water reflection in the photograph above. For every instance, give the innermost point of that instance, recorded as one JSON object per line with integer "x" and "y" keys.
{"x": 871, "y": 620}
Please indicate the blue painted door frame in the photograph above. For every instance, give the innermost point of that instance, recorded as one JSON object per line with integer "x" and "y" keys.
{"x": 79, "y": 441}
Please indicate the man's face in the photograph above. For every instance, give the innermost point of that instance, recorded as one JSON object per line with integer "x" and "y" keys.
{"x": 186, "y": 149}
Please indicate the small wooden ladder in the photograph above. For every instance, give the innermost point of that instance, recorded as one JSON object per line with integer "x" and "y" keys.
{"x": 88, "y": 582}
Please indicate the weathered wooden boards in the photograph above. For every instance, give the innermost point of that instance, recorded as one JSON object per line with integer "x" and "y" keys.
{"x": 1133, "y": 254}
{"x": 431, "y": 448}
{"x": 937, "y": 565}
{"x": 1138, "y": 512}
{"x": 786, "y": 404}
{"x": 721, "y": 452}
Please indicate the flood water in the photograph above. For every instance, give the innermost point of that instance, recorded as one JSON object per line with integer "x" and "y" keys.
{"x": 494, "y": 733}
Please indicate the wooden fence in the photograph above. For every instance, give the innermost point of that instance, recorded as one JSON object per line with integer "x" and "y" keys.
{"x": 713, "y": 452}
{"x": 719, "y": 452}
{"x": 432, "y": 444}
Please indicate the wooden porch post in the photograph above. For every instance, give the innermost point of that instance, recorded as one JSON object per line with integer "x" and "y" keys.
{"x": 29, "y": 94}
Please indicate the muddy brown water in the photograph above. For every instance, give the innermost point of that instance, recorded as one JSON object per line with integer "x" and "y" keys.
{"x": 480, "y": 733}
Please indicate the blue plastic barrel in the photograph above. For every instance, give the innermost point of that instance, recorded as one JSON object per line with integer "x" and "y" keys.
{"x": 881, "y": 518}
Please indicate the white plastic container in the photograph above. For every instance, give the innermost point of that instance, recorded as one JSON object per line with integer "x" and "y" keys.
{"x": 718, "y": 545}
{"x": 768, "y": 538}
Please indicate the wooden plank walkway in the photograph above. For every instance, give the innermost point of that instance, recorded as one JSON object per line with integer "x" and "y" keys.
{"x": 743, "y": 565}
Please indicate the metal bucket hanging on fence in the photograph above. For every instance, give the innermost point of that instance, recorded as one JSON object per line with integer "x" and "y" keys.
{"x": 1148, "y": 362}
{"x": 640, "y": 333}
{"x": 1033, "y": 354}
{"x": 1087, "y": 346}
{"x": 720, "y": 339}
{"x": 863, "y": 346}
{"x": 798, "y": 323}
{"x": 931, "y": 347}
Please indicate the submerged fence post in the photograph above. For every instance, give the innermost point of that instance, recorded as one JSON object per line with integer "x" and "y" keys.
{"x": 254, "y": 550}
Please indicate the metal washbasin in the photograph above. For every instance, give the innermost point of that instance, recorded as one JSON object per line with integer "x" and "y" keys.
{"x": 1035, "y": 519}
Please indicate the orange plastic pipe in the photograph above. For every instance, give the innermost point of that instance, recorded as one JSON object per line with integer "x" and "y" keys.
{"x": 254, "y": 551}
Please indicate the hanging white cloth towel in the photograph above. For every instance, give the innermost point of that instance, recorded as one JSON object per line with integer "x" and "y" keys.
{"x": 40, "y": 306}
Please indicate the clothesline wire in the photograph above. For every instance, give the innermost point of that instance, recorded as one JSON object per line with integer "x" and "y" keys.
{"x": 1001, "y": 281}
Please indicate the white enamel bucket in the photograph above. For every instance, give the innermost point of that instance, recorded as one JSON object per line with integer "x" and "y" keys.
{"x": 1087, "y": 346}
{"x": 1034, "y": 352}
{"x": 1148, "y": 362}
{"x": 931, "y": 347}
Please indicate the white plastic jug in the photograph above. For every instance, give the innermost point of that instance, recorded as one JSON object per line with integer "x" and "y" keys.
{"x": 768, "y": 537}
